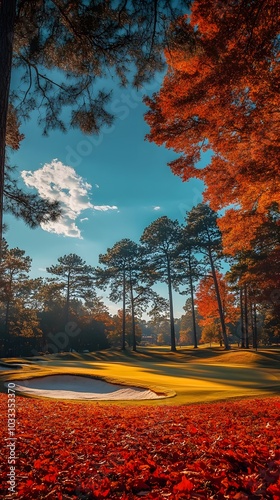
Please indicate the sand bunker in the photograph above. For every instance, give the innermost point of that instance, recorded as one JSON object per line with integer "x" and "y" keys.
{"x": 75, "y": 387}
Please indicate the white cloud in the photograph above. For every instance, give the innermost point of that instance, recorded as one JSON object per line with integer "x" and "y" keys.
{"x": 85, "y": 218}
{"x": 156, "y": 208}
{"x": 104, "y": 208}
{"x": 97, "y": 185}
{"x": 55, "y": 181}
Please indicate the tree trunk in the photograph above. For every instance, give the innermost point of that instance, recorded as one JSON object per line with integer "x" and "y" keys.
{"x": 246, "y": 317}
{"x": 132, "y": 315}
{"x": 193, "y": 309}
{"x": 242, "y": 318}
{"x": 253, "y": 323}
{"x": 7, "y": 21}
{"x": 255, "y": 326}
{"x": 133, "y": 324}
{"x": 172, "y": 326}
{"x": 123, "y": 314}
{"x": 67, "y": 298}
{"x": 219, "y": 302}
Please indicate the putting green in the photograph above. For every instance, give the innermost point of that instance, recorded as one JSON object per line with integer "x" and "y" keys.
{"x": 194, "y": 375}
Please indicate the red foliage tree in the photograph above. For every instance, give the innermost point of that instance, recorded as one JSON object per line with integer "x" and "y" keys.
{"x": 221, "y": 95}
{"x": 206, "y": 301}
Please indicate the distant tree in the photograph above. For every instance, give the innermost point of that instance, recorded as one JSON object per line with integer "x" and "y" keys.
{"x": 160, "y": 239}
{"x": 23, "y": 321}
{"x": 75, "y": 278}
{"x": 124, "y": 273}
{"x": 160, "y": 321}
{"x": 240, "y": 280}
{"x": 186, "y": 334}
{"x": 148, "y": 332}
{"x": 206, "y": 238}
{"x": 163, "y": 336}
{"x": 269, "y": 327}
{"x": 95, "y": 307}
{"x": 92, "y": 335}
{"x": 14, "y": 269}
{"x": 94, "y": 311}
{"x": 211, "y": 333}
{"x": 114, "y": 276}
{"x": 19, "y": 318}
{"x": 61, "y": 50}
{"x": 47, "y": 295}
{"x": 188, "y": 272}
{"x": 206, "y": 300}
{"x": 256, "y": 274}
{"x": 133, "y": 330}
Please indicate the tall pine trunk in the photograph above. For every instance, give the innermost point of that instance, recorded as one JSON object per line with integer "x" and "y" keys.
{"x": 255, "y": 326}
{"x": 7, "y": 22}
{"x": 123, "y": 313}
{"x": 246, "y": 323}
{"x": 242, "y": 318}
{"x": 67, "y": 299}
{"x": 219, "y": 302}
{"x": 172, "y": 326}
{"x": 132, "y": 315}
{"x": 192, "y": 301}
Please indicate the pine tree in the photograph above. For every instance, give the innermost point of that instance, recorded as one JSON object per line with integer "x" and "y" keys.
{"x": 161, "y": 239}
{"x": 188, "y": 272}
{"x": 124, "y": 274}
{"x": 75, "y": 278}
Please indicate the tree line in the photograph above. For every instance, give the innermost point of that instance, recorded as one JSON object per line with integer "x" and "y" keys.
{"x": 226, "y": 299}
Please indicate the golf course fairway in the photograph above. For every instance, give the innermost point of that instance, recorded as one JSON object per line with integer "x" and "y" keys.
{"x": 187, "y": 376}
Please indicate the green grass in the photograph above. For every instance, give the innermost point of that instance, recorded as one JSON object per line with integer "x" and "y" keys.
{"x": 195, "y": 375}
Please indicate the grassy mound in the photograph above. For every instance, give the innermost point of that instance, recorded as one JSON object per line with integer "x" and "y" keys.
{"x": 195, "y": 375}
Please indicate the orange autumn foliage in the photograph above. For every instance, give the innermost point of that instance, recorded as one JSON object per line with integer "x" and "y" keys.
{"x": 221, "y": 95}
{"x": 206, "y": 301}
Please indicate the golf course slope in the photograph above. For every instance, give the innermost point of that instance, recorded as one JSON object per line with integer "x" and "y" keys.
{"x": 189, "y": 375}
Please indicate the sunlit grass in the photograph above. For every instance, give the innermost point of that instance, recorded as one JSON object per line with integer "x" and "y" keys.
{"x": 189, "y": 375}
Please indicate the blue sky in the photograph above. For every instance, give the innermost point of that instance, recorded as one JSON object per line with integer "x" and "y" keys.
{"x": 115, "y": 185}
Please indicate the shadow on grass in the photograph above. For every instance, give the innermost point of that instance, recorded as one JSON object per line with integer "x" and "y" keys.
{"x": 194, "y": 375}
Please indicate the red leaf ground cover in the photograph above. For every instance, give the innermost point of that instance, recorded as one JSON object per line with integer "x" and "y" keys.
{"x": 225, "y": 450}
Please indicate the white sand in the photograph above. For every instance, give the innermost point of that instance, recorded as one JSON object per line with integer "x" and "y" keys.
{"x": 76, "y": 387}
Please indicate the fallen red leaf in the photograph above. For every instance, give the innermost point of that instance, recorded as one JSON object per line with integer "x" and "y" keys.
{"x": 184, "y": 486}
{"x": 71, "y": 451}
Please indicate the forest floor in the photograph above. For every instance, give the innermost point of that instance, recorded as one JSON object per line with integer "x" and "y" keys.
{"x": 187, "y": 376}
